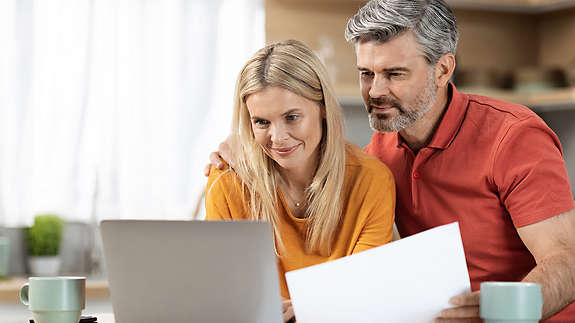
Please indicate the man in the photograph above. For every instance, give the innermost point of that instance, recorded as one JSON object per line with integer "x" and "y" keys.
{"x": 494, "y": 166}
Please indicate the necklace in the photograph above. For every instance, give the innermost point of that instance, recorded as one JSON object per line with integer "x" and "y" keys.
{"x": 297, "y": 204}
{"x": 288, "y": 195}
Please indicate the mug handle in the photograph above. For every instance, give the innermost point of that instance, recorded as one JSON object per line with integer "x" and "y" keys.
{"x": 24, "y": 294}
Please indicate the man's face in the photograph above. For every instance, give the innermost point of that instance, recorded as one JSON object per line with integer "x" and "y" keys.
{"x": 397, "y": 83}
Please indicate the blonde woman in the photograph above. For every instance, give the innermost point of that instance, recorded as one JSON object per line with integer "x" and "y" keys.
{"x": 324, "y": 197}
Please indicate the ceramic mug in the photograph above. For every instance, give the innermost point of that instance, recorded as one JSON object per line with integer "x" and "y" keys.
{"x": 510, "y": 302}
{"x": 55, "y": 299}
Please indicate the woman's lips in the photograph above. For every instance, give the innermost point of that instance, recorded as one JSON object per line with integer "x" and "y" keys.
{"x": 285, "y": 151}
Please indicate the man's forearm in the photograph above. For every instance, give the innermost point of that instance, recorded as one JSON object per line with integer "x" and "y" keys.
{"x": 556, "y": 274}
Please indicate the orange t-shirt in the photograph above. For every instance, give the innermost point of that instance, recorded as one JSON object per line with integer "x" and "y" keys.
{"x": 368, "y": 212}
{"x": 493, "y": 166}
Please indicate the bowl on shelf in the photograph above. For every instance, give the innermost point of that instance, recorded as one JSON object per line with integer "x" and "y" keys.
{"x": 532, "y": 79}
{"x": 481, "y": 78}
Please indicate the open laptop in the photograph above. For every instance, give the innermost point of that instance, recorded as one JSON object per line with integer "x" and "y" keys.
{"x": 191, "y": 271}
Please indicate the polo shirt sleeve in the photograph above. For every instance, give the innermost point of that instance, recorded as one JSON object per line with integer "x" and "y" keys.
{"x": 529, "y": 172}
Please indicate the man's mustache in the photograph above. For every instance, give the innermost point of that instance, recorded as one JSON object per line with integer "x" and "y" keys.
{"x": 382, "y": 100}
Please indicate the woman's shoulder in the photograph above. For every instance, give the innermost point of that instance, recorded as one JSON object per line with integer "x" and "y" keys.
{"x": 365, "y": 165}
{"x": 223, "y": 180}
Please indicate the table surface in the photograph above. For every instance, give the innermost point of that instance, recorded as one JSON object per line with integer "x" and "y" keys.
{"x": 12, "y": 312}
{"x": 106, "y": 318}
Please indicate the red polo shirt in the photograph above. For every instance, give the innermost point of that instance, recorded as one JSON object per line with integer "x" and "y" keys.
{"x": 494, "y": 166}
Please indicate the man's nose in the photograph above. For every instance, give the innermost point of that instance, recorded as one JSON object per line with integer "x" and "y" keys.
{"x": 379, "y": 87}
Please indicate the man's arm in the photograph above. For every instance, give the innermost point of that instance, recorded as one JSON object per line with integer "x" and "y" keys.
{"x": 552, "y": 244}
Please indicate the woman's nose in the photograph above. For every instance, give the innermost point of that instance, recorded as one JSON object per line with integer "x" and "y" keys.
{"x": 279, "y": 133}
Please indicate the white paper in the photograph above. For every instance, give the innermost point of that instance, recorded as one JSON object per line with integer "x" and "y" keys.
{"x": 409, "y": 280}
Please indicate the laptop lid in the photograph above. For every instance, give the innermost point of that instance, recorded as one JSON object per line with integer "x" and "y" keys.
{"x": 191, "y": 271}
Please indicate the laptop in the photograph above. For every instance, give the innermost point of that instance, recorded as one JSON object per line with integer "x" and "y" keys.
{"x": 191, "y": 271}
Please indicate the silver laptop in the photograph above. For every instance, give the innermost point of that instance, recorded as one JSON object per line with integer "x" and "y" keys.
{"x": 191, "y": 271}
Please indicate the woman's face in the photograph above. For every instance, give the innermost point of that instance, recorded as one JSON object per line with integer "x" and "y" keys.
{"x": 287, "y": 126}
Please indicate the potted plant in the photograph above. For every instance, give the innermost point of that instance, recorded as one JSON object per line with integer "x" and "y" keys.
{"x": 44, "y": 239}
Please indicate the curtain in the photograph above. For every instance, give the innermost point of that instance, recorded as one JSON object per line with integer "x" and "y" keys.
{"x": 109, "y": 108}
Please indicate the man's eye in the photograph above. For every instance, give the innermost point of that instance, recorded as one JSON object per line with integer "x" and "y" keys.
{"x": 292, "y": 117}
{"x": 396, "y": 75}
{"x": 366, "y": 74}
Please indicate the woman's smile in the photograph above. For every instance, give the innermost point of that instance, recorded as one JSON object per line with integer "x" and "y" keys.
{"x": 284, "y": 151}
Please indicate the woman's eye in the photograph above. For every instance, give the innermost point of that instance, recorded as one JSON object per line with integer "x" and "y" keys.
{"x": 261, "y": 123}
{"x": 292, "y": 117}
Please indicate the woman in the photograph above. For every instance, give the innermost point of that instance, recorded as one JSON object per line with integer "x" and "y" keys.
{"x": 324, "y": 197}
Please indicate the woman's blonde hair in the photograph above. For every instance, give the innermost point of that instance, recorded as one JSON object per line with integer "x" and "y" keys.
{"x": 293, "y": 66}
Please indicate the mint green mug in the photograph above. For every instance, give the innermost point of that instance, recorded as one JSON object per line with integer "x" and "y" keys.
{"x": 55, "y": 299}
{"x": 510, "y": 302}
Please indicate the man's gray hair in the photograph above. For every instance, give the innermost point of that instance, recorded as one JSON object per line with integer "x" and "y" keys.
{"x": 432, "y": 22}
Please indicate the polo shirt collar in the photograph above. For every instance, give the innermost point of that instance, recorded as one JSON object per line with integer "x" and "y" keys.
{"x": 452, "y": 120}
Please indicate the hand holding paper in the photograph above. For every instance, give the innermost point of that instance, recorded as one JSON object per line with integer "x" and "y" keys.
{"x": 410, "y": 280}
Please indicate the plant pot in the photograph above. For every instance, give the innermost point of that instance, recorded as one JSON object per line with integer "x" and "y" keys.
{"x": 44, "y": 265}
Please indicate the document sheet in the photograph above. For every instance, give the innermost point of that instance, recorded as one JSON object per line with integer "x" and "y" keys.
{"x": 409, "y": 280}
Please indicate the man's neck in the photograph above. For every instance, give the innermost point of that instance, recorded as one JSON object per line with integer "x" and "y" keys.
{"x": 420, "y": 133}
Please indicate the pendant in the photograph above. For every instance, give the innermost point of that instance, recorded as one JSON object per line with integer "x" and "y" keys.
{"x": 297, "y": 204}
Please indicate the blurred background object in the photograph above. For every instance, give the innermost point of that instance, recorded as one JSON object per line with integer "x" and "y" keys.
{"x": 531, "y": 79}
{"x": 570, "y": 73}
{"x": 4, "y": 256}
{"x": 44, "y": 240}
{"x": 481, "y": 79}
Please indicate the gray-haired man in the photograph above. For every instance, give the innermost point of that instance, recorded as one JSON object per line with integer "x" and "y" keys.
{"x": 493, "y": 166}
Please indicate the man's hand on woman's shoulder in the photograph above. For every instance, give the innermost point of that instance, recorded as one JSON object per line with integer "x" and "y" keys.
{"x": 220, "y": 157}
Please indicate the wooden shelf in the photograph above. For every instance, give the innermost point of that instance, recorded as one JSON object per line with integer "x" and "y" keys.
{"x": 559, "y": 99}
{"x": 525, "y": 6}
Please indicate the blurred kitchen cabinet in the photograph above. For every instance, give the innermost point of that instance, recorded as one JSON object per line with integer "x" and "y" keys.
{"x": 320, "y": 24}
{"x": 501, "y": 35}
{"x": 509, "y": 35}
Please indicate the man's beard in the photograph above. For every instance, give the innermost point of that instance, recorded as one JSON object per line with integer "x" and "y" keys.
{"x": 407, "y": 114}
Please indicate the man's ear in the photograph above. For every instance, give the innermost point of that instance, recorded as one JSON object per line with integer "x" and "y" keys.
{"x": 444, "y": 69}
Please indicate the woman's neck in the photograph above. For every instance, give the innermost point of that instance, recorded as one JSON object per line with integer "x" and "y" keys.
{"x": 299, "y": 178}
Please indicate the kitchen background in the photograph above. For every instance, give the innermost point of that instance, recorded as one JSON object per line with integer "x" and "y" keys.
{"x": 518, "y": 50}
